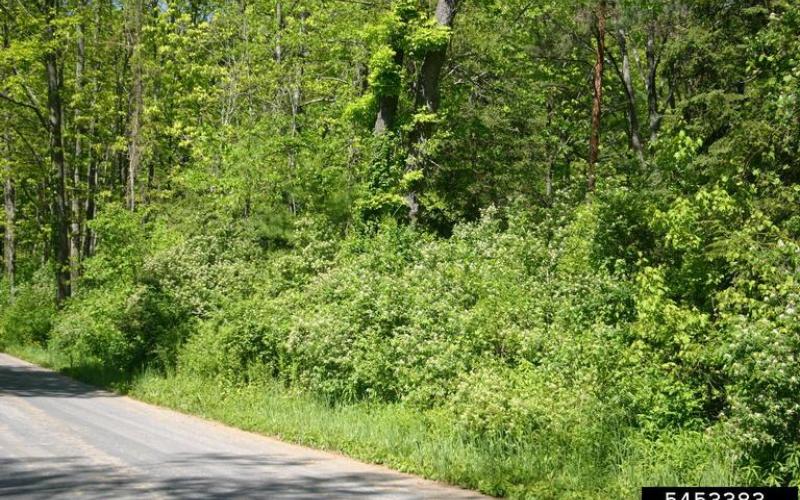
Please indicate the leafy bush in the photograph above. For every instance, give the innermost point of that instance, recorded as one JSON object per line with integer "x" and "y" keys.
{"x": 90, "y": 328}
{"x": 28, "y": 316}
{"x": 402, "y": 317}
{"x": 513, "y": 406}
{"x": 757, "y": 347}
{"x": 126, "y": 328}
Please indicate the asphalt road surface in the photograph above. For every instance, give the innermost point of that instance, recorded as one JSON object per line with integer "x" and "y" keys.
{"x": 63, "y": 439}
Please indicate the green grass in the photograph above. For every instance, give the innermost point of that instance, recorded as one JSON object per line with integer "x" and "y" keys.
{"x": 613, "y": 465}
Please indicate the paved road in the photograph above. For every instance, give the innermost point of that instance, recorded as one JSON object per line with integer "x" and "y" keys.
{"x": 63, "y": 439}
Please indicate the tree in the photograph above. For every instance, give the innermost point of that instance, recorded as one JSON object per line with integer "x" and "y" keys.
{"x": 597, "y": 89}
{"x": 9, "y": 195}
{"x": 52, "y": 10}
{"x": 77, "y": 161}
{"x": 427, "y": 96}
{"x": 133, "y": 28}
{"x": 624, "y": 73}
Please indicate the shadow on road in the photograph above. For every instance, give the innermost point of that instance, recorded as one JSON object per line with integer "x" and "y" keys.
{"x": 191, "y": 476}
{"x": 95, "y": 449}
{"x": 31, "y": 382}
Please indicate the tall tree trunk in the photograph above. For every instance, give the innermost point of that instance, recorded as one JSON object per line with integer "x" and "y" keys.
{"x": 548, "y": 178}
{"x": 75, "y": 201}
{"x": 427, "y": 100}
{"x": 672, "y": 87}
{"x": 296, "y": 99}
{"x": 431, "y": 72}
{"x": 55, "y": 111}
{"x": 91, "y": 169}
{"x": 594, "y": 140}
{"x": 630, "y": 97}
{"x": 134, "y": 20}
{"x": 91, "y": 207}
{"x": 119, "y": 167}
{"x": 280, "y": 25}
{"x": 387, "y": 104}
{"x": 652, "y": 91}
{"x": 9, "y": 203}
{"x": 157, "y": 153}
{"x": 44, "y": 216}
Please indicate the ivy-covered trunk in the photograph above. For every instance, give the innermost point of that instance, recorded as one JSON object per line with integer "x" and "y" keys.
{"x": 427, "y": 101}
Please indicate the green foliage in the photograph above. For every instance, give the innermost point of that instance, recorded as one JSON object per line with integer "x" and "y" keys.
{"x": 384, "y": 77}
{"x": 426, "y": 37}
{"x": 757, "y": 348}
{"x": 120, "y": 254}
{"x": 509, "y": 405}
{"x": 547, "y": 338}
{"x": 667, "y": 349}
{"x": 28, "y": 317}
{"x": 125, "y": 328}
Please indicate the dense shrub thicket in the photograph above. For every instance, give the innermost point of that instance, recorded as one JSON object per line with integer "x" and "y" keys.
{"x": 526, "y": 330}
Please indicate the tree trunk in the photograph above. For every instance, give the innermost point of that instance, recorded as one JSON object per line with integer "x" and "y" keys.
{"x": 9, "y": 241}
{"x": 594, "y": 140}
{"x": 75, "y": 202}
{"x": 652, "y": 91}
{"x": 387, "y": 104}
{"x": 296, "y": 99}
{"x": 60, "y": 214}
{"x": 117, "y": 174}
{"x": 630, "y": 97}
{"x": 280, "y": 25}
{"x": 44, "y": 216}
{"x": 431, "y": 72}
{"x": 548, "y": 179}
{"x": 427, "y": 100}
{"x": 134, "y": 146}
{"x": 9, "y": 201}
{"x": 90, "y": 208}
{"x": 91, "y": 171}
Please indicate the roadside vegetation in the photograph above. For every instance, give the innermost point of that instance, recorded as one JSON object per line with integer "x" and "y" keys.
{"x": 298, "y": 225}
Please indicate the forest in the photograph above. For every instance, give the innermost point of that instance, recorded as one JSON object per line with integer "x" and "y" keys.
{"x": 536, "y": 248}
